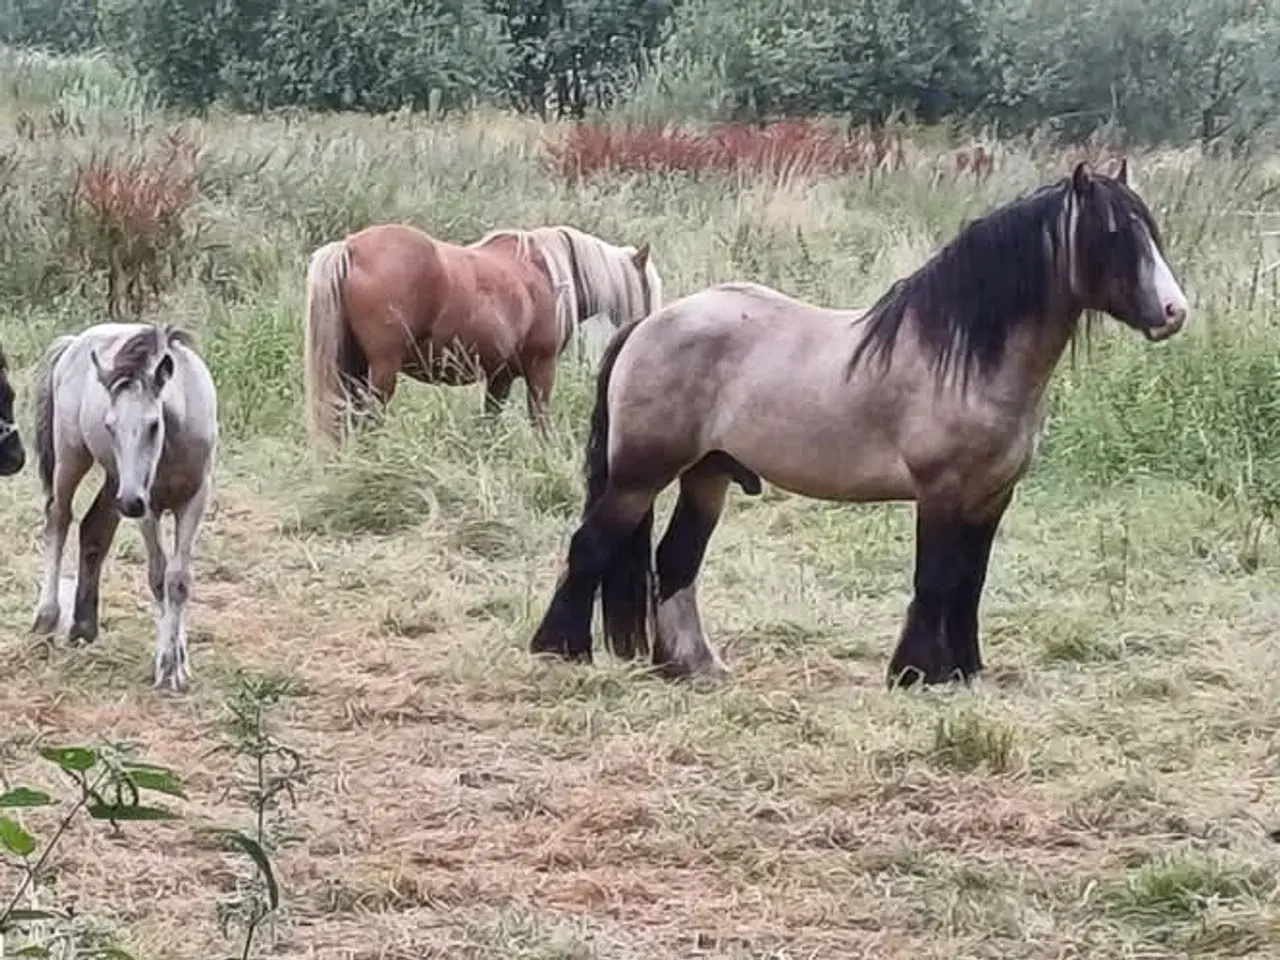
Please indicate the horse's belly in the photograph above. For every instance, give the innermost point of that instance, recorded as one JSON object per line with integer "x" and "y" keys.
{"x": 857, "y": 473}
{"x": 452, "y": 366}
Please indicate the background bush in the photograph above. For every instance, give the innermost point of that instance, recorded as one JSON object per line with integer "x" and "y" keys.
{"x": 1205, "y": 70}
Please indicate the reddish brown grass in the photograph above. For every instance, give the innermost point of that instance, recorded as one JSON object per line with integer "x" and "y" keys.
{"x": 788, "y": 148}
{"x": 134, "y": 221}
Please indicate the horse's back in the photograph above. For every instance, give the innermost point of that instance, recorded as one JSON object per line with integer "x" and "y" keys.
{"x": 724, "y": 343}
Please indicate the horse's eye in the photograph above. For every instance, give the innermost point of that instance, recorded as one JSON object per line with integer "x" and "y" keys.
{"x": 153, "y": 430}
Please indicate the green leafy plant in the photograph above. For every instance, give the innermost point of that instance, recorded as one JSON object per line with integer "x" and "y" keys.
{"x": 269, "y": 772}
{"x": 109, "y": 786}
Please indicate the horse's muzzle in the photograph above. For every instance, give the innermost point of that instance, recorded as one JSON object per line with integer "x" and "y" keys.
{"x": 131, "y": 507}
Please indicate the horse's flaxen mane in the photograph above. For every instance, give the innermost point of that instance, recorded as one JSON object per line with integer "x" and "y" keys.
{"x": 997, "y": 273}
{"x": 134, "y": 358}
{"x": 590, "y": 275}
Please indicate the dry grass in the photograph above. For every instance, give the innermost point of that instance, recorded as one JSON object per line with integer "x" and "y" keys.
{"x": 1106, "y": 792}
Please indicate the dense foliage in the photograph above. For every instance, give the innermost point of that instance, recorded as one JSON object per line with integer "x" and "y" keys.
{"x": 1205, "y": 70}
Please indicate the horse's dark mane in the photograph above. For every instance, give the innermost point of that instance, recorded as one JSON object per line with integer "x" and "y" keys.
{"x": 4, "y": 363}
{"x": 134, "y": 357}
{"x": 994, "y": 276}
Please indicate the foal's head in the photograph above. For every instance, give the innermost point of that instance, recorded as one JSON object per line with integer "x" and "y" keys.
{"x": 1117, "y": 255}
{"x": 12, "y": 456}
{"x": 134, "y": 419}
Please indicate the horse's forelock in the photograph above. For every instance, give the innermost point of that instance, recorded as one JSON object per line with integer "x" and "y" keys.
{"x": 137, "y": 356}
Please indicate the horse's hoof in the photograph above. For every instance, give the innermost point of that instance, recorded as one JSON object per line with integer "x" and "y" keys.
{"x": 544, "y": 642}
{"x": 46, "y": 621}
{"x": 171, "y": 681}
{"x": 82, "y": 635}
{"x": 906, "y": 676}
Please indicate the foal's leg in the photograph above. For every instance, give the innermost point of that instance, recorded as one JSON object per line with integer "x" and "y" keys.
{"x": 157, "y": 561}
{"x": 923, "y": 651}
{"x": 566, "y": 627}
{"x": 67, "y": 474}
{"x": 97, "y": 530}
{"x": 681, "y": 646}
{"x": 972, "y": 558}
{"x": 172, "y": 664}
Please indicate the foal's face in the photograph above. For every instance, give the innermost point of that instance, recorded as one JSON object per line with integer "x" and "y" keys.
{"x": 135, "y": 424}
{"x": 12, "y": 456}
{"x": 1122, "y": 261}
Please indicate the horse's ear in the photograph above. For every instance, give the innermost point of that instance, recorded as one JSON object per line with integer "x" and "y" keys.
{"x": 1122, "y": 174}
{"x": 641, "y": 257}
{"x": 97, "y": 367}
{"x": 163, "y": 371}
{"x": 1081, "y": 178}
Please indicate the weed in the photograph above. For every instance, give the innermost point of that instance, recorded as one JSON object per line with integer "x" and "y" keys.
{"x": 110, "y": 785}
{"x": 268, "y": 773}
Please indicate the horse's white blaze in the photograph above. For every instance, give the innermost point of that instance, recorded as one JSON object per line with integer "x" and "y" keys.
{"x": 137, "y": 438}
{"x": 1167, "y": 289}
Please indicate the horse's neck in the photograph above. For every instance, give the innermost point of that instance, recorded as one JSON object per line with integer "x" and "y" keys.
{"x": 1031, "y": 356}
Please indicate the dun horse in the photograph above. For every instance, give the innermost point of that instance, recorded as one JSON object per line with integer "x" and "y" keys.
{"x": 137, "y": 399}
{"x": 936, "y": 395}
{"x": 390, "y": 299}
{"x": 12, "y": 456}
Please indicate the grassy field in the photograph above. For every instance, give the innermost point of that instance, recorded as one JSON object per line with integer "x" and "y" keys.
{"x": 1106, "y": 792}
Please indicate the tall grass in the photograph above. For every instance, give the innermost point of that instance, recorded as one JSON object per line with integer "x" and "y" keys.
{"x": 1202, "y": 410}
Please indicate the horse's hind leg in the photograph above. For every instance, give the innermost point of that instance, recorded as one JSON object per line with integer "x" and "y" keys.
{"x": 681, "y": 647}
{"x": 97, "y": 530}
{"x": 172, "y": 662}
{"x": 605, "y": 532}
{"x": 497, "y": 388}
{"x": 67, "y": 474}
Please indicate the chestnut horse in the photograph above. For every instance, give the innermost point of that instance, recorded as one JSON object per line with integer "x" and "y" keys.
{"x": 390, "y": 299}
{"x": 12, "y": 456}
{"x": 936, "y": 395}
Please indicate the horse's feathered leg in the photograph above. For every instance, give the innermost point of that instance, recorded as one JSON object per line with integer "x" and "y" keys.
{"x": 940, "y": 638}
{"x": 973, "y": 556}
{"x": 680, "y": 646}
{"x": 172, "y": 662}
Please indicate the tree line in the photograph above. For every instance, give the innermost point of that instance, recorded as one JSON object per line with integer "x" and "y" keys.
{"x": 1205, "y": 70}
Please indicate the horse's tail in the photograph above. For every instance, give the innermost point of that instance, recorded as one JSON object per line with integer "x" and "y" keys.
{"x": 331, "y": 352}
{"x": 627, "y": 582}
{"x": 45, "y": 453}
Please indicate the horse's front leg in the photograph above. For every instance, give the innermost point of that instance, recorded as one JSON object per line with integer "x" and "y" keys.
{"x": 97, "y": 530}
{"x": 157, "y": 560}
{"x": 172, "y": 663}
{"x": 57, "y": 523}
{"x": 540, "y": 381}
